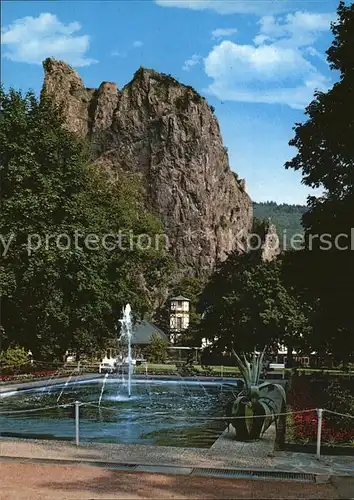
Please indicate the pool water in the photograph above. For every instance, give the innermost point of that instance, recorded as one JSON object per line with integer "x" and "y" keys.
{"x": 160, "y": 412}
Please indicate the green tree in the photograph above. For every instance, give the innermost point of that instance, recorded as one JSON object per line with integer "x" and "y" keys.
{"x": 60, "y": 295}
{"x": 325, "y": 144}
{"x": 247, "y": 304}
{"x": 157, "y": 350}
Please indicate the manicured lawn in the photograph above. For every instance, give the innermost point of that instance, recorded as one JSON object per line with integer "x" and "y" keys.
{"x": 170, "y": 368}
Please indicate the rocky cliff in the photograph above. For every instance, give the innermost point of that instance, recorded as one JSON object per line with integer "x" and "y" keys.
{"x": 166, "y": 133}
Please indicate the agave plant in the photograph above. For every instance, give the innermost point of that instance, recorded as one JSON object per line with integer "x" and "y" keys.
{"x": 256, "y": 402}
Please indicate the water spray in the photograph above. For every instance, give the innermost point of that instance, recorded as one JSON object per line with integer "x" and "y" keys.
{"x": 126, "y": 335}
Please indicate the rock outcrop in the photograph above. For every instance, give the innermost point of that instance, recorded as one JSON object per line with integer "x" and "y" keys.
{"x": 271, "y": 244}
{"x": 167, "y": 134}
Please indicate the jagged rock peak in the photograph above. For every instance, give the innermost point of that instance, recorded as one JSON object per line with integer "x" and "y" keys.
{"x": 58, "y": 73}
{"x": 271, "y": 243}
{"x": 166, "y": 133}
{"x": 143, "y": 73}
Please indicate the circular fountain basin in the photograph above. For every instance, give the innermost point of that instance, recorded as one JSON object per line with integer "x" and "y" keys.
{"x": 159, "y": 412}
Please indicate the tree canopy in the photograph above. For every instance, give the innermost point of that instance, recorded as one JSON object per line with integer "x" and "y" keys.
{"x": 247, "y": 304}
{"x": 70, "y": 252}
{"x": 325, "y": 144}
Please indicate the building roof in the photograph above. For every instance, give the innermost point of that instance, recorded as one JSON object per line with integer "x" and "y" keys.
{"x": 180, "y": 297}
{"x": 143, "y": 330}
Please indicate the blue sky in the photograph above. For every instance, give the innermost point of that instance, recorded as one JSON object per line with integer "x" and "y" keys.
{"x": 256, "y": 62}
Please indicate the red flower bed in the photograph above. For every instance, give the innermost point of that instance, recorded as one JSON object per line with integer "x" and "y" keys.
{"x": 305, "y": 424}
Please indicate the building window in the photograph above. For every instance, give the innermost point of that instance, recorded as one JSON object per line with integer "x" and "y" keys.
{"x": 179, "y": 324}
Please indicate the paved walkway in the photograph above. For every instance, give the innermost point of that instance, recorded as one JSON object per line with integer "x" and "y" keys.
{"x": 48, "y": 482}
{"x": 176, "y": 457}
{"x": 226, "y": 444}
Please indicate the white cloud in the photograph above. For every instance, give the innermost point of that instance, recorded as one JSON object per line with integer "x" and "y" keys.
{"x": 33, "y": 39}
{"x": 231, "y": 6}
{"x": 137, "y": 44}
{"x": 223, "y": 32}
{"x": 193, "y": 61}
{"x": 118, "y": 53}
{"x": 299, "y": 29}
{"x": 277, "y": 68}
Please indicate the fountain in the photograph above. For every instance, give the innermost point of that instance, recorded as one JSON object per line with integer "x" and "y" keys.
{"x": 126, "y": 335}
{"x": 170, "y": 411}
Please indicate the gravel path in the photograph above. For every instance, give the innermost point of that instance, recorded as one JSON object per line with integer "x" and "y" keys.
{"x": 53, "y": 482}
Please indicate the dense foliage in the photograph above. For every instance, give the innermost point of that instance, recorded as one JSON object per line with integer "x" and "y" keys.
{"x": 14, "y": 357}
{"x": 61, "y": 286}
{"x": 248, "y": 304}
{"x": 324, "y": 271}
{"x": 157, "y": 350}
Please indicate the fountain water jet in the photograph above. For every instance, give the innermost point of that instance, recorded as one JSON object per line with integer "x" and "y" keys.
{"x": 76, "y": 370}
{"x": 102, "y": 389}
{"x": 126, "y": 335}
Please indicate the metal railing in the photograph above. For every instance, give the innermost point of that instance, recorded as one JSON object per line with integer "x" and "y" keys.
{"x": 78, "y": 404}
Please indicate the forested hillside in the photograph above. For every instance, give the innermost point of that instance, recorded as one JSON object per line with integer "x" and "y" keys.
{"x": 284, "y": 216}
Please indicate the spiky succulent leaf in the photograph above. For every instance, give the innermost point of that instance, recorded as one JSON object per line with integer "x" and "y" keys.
{"x": 236, "y": 405}
{"x": 249, "y": 371}
{"x": 254, "y": 392}
{"x": 270, "y": 402}
{"x": 278, "y": 387}
{"x": 254, "y": 369}
{"x": 243, "y": 370}
{"x": 269, "y": 416}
